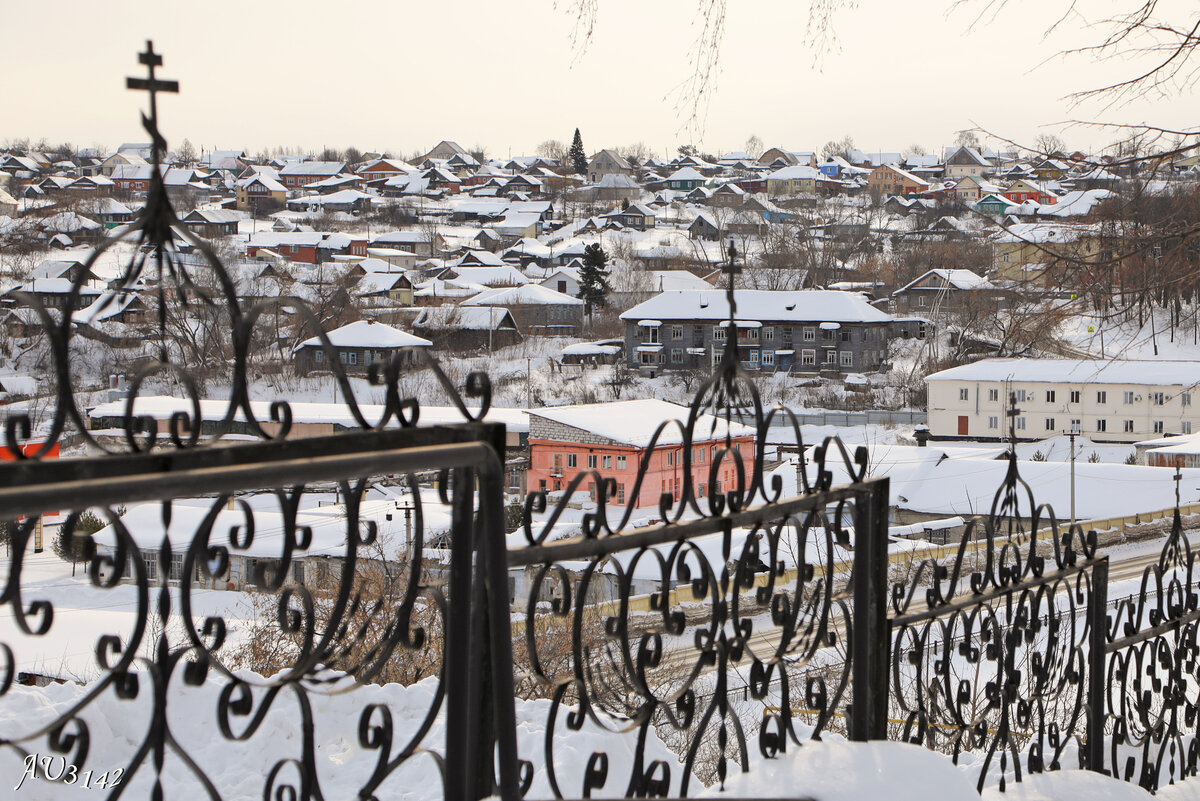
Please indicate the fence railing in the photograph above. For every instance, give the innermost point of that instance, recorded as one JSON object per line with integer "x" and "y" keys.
{"x": 774, "y": 613}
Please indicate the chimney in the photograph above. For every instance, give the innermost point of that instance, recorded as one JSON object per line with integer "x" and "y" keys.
{"x": 921, "y": 434}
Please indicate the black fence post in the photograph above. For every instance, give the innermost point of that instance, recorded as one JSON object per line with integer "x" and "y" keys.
{"x": 462, "y": 669}
{"x": 1097, "y": 661}
{"x": 871, "y": 644}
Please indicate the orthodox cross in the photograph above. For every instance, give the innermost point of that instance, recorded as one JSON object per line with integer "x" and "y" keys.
{"x": 731, "y": 269}
{"x": 1012, "y": 414}
{"x": 153, "y": 85}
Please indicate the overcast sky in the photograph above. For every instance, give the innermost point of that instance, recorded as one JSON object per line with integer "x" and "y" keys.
{"x": 400, "y": 75}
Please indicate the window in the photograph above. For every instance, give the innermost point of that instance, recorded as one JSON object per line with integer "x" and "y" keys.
{"x": 1101, "y": 397}
{"x": 677, "y": 332}
{"x": 1185, "y": 398}
{"x": 698, "y": 454}
{"x": 350, "y": 356}
{"x": 676, "y": 355}
{"x": 606, "y": 462}
{"x": 652, "y": 335}
{"x": 808, "y": 357}
{"x": 572, "y": 460}
{"x": 810, "y": 335}
{"x": 993, "y": 394}
{"x": 768, "y": 357}
{"x": 1128, "y": 427}
{"x": 719, "y": 333}
{"x": 993, "y": 422}
{"x": 1158, "y": 426}
{"x": 1020, "y": 423}
{"x": 591, "y": 461}
{"x": 1158, "y": 398}
{"x": 150, "y": 560}
{"x": 1049, "y": 423}
{"x": 1076, "y": 424}
{"x": 319, "y": 356}
{"x": 847, "y": 358}
{"x": 1049, "y": 396}
{"x": 845, "y": 336}
{"x": 1019, "y": 394}
{"x": 831, "y": 357}
{"x": 176, "y": 567}
{"x": 542, "y": 484}
{"x": 620, "y": 462}
{"x": 964, "y": 393}
{"x": 1074, "y": 396}
{"x": 1101, "y": 424}
{"x": 620, "y": 493}
{"x": 1185, "y": 427}
{"x": 1128, "y": 397}
{"x": 298, "y": 572}
{"x": 768, "y": 334}
{"x": 703, "y": 489}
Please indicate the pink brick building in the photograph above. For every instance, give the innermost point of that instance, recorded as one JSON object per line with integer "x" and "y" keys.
{"x": 613, "y": 438}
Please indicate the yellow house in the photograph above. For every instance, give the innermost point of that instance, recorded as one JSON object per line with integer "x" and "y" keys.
{"x": 1037, "y": 251}
{"x": 796, "y": 180}
{"x": 259, "y": 190}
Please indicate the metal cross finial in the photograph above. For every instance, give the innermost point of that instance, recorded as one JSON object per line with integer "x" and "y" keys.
{"x": 153, "y": 85}
{"x": 1012, "y": 414}
{"x": 731, "y": 269}
{"x": 1178, "y": 478}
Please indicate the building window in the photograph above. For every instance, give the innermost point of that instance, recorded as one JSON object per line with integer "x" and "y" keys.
{"x": 1101, "y": 397}
{"x": 1158, "y": 426}
{"x": 1128, "y": 397}
{"x": 677, "y": 332}
{"x": 176, "y": 567}
{"x": 1019, "y": 394}
{"x": 298, "y": 572}
{"x": 1186, "y": 427}
{"x": 572, "y": 460}
{"x": 676, "y": 355}
{"x": 768, "y": 357}
{"x": 652, "y": 335}
{"x": 1158, "y": 398}
{"x": 591, "y": 461}
{"x": 1074, "y": 396}
{"x": 964, "y": 394}
{"x": 1186, "y": 398}
{"x": 319, "y": 356}
{"x": 620, "y": 462}
{"x": 768, "y": 334}
{"x": 831, "y": 357}
{"x": 1128, "y": 426}
{"x": 1076, "y": 424}
{"x": 993, "y": 422}
{"x": 1049, "y": 396}
{"x": 1101, "y": 424}
{"x": 993, "y": 394}
{"x": 703, "y": 489}
{"x": 719, "y": 333}
{"x": 620, "y": 493}
{"x": 1020, "y": 424}
{"x": 810, "y": 335}
{"x": 808, "y": 357}
{"x": 1049, "y": 423}
{"x": 606, "y": 462}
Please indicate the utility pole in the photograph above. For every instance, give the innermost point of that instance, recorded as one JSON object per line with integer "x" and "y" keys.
{"x": 1074, "y": 432}
{"x": 528, "y": 382}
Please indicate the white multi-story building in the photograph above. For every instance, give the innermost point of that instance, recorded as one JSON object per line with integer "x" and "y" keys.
{"x": 1106, "y": 401}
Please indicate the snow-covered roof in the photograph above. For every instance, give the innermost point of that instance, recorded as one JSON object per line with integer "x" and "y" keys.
{"x": 468, "y": 318}
{"x": 313, "y": 168}
{"x": 633, "y": 422}
{"x": 497, "y": 275}
{"x": 1076, "y": 371}
{"x": 686, "y": 174}
{"x": 957, "y": 278}
{"x": 368, "y": 334}
{"x": 760, "y": 304}
{"x": 527, "y": 295}
{"x": 798, "y": 172}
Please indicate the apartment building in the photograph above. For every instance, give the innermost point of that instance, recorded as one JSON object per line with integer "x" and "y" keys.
{"x": 1106, "y": 401}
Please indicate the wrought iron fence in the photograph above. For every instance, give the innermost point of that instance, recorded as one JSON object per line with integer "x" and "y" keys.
{"x": 742, "y": 624}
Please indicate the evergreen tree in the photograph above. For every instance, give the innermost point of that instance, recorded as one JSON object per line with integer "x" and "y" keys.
{"x": 593, "y": 283}
{"x": 578, "y": 155}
